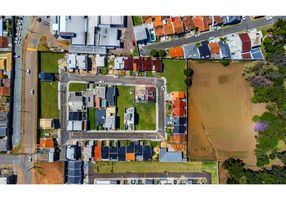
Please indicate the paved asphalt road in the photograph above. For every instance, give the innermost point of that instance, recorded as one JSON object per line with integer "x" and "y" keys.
{"x": 127, "y": 81}
{"x": 243, "y": 26}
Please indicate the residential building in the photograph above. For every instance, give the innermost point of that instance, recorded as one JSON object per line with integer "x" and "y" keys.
{"x": 204, "y": 50}
{"x": 119, "y": 63}
{"x": 3, "y": 124}
{"x": 168, "y": 27}
{"x": 108, "y": 36}
{"x": 191, "y": 51}
{"x": 46, "y": 143}
{"x": 224, "y": 50}
{"x": 202, "y": 23}
{"x": 75, "y": 172}
{"x": 72, "y": 152}
{"x": 100, "y": 91}
{"x": 100, "y": 61}
{"x": 97, "y": 151}
{"x": 129, "y": 118}
{"x": 178, "y": 25}
{"x": 76, "y": 101}
{"x": 246, "y": 42}
{"x": 111, "y": 96}
{"x": 229, "y": 20}
{"x": 140, "y": 33}
{"x": 76, "y": 61}
{"x": 176, "y": 52}
{"x": 170, "y": 156}
{"x": 3, "y": 144}
{"x": 188, "y": 23}
{"x": 100, "y": 117}
{"x": 110, "y": 122}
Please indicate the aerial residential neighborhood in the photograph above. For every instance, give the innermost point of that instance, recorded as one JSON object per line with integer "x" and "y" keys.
{"x": 140, "y": 100}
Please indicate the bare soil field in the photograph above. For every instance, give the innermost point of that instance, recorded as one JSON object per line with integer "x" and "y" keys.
{"x": 48, "y": 173}
{"x": 220, "y": 113}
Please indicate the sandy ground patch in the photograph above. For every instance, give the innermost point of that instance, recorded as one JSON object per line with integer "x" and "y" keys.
{"x": 48, "y": 173}
{"x": 221, "y": 113}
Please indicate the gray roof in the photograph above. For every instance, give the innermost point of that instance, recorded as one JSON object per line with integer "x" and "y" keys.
{"x": 140, "y": 32}
{"x": 3, "y": 145}
{"x": 3, "y": 131}
{"x": 110, "y": 122}
{"x": 100, "y": 91}
{"x": 100, "y": 117}
{"x": 110, "y": 96}
{"x": 172, "y": 156}
{"x": 108, "y": 37}
{"x": 87, "y": 49}
{"x": 112, "y": 20}
{"x": 191, "y": 51}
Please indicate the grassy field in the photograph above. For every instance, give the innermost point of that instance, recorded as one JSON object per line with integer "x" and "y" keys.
{"x": 145, "y": 167}
{"x": 92, "y": 118}
{"x": 137, "y": 20}
{"x": 146, "y": 113}
{"x": 174, "y": 73}
{"x": 77, "y": 87}
{"x": 219, "y": 120}
{"x": 49, "y": 100}
{"x": 49, "y": 61}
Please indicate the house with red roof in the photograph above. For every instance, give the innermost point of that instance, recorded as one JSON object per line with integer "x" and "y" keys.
{"x": 137, "y": 64}
{"x": 178, "y": 25}
{"x": 202, "y": 22}
{"x": 168, "y": 28}
{"x": 246, "y": 42}
{"x": 128, "y": 63}
{"x": 188, "y": 23}
{"x": 5, "y": 91}
{"x": 179, "y": 108}
{"x": 97, "y": 151}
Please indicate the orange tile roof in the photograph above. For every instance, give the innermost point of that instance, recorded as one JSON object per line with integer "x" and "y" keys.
{"x": 178, "y": 27}
{"x": 176, "y": 52}
{"x": 178, "y": 95}
{"x": 130, "y": 156}
{"x": 188, "y": 23}
{"x": 158, "y": 26}
{"x": 218, "y": 20}
{"x": 158, "y": 18}
{"x": 4, "y": 42}
{"x": 214, "y": 46}
{"x": 168, "y": 28}
{"x": 157, "y": 23}
{"x": 178, "y": 138}
{"x": 4, "y": 91}
{"x": 178, "y": 147}
{"x": 1, "y": 74}
{"x": 97, "y": 151}
{"x": 179, "y": 104}
{"x": 97, "y": 102}
{"x": 46, "y": 143}
{"x": 178, "y": 112}
{"x": 202, "y": 22}
{"x": 147, "y": 19}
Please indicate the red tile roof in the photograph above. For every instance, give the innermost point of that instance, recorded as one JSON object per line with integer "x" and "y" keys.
{"x": 168, "y": 28}
{"x": 188, "y": 23}
{"x": 4, "y": 91}
{"x": 176, "y": 52}
{"x": 178, "y": 138}
{"x": 246, "y": 56}
{"x": 178, "y": 27}
{"x": 46, "y": 143}
{"x": 147, "y": 64}
{"x": 246, "y": 42}
{"x": 202, "y": 22}
{"x": 214, "y": 47}
{"x": 128, "y": 63}
{"x": 158, "y": 65}
{"x": 3, "y": 42}
{"x": 97, "y": 151}
{"x": 218, "y": 20}
{"x": 130, "y": 156}
{"x": 178, "y": 107}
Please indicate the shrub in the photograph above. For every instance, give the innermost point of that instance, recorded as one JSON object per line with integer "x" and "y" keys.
{"x": 225, "y": 62}
{"x": 188, "y": 82}
{"x": 162, "y": 53}
{"x": 154, "y": 53}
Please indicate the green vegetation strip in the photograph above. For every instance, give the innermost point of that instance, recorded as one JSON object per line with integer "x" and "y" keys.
{"x": 49, "y": 100}
{"x": 173, "y": 71}
{"x": 137, "y": 20}
{"x": 149, "y": 167}
{"x": 92, "y": 118}
{"x": 77, "y": 87}
{"x": 145, "y": 112}
{"x": 49, "y": 61}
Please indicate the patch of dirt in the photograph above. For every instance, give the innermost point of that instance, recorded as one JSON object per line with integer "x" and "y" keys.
{"x": 220, "y": 114}
{"x": 48, "y": 173}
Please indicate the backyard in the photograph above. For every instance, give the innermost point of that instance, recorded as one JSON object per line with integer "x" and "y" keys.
{"x": 174, "y": 73}
{"x": 137, "y": 20}
{"x": 77, "y": 87}
{"x": 145, "y": 112}
{"x": 145, "y": 167}
{"x": 92, "y": 118}
{"x": 49, "y": 100}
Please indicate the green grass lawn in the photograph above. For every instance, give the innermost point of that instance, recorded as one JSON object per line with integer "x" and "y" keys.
{"x": 146, "y": 112}
{"x": 142, "y": 167}
{"x": 124, "y": 100}
{"x": 49, "y": 61}
{"x": 174, "y": 73}
{"x": 92, "y": 118}
{"x": 49, "y": 100}
{"x": 137, "y": 20}
{"x": 77, "y": 87}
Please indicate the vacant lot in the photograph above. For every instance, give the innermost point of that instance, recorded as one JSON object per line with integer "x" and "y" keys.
{"x": 221, "y": 112}
{"x": 145, "y": 112}
{"x": 48, "y": 173}
{"x": 92, "y": 118}
{"x": 77, "y": 87}
{"x": 49, "y": 100}
{"x": 49, "y": 61}
{"x": 145, "y": 167}
{"x": 173, "y": 71}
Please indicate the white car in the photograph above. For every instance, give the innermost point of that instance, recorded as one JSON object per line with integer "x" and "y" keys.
{"x": 211, "y": 38}
{"x": 16, "y": 56}
{"x": 157, "y": 98}
{"x": 163, "y": 88}
{"x": 268, "y": 18}
{"x": 30, "y": 158}
{"x": 28, "y": 71}
{"x": 32, "y": 92}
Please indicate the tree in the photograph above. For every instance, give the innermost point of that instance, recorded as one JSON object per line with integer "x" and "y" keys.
{"x": 154, "y": 53}
{"x": 188, "y": 72}
{"x": 225, "y": 62}
{"x": 282, "y": 156}
{"x": 162, "y": 53}
{"x": 188, "y": 82}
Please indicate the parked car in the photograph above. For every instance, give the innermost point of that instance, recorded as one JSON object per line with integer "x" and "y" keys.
{"x": 16, "y": 56}
{"x": 30, "y": 158}
{"x": 28, "y": 71}
{"x": 32, "y": 92}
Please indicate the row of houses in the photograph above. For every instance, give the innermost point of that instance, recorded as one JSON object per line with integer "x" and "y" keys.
{"x": 236, "y": 46}
{"x": 138, "y": 64}
{"x": 155, "y": 27}
{"x": 101, "y": 98}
